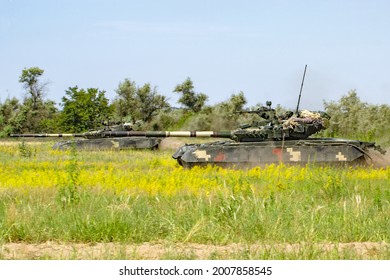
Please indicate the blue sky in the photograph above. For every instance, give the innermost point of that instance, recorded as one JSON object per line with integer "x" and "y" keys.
{"x": 258, "y": 47}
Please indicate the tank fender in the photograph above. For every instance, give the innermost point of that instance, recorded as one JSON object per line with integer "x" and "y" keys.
{"x": 180, "y": 152}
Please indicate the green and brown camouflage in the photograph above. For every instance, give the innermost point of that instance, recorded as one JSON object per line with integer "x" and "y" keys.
{"x": 302, "y": 152}
{"x": 277, "y": 139}
{"x": 102, "y": 139}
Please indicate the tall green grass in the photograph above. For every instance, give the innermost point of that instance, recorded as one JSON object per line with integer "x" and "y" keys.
{"x": 290, "y": 217}
{"x": 143, "y": 196}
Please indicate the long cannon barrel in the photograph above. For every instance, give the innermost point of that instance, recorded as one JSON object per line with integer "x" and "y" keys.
{"x": 108, "y": 134}
{"x": 49, "y": 135}
{"x": 221, "y": 134}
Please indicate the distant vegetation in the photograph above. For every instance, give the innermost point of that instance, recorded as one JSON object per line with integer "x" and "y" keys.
{"x": 84, "y": 109}
{"x": 352, "y": 118}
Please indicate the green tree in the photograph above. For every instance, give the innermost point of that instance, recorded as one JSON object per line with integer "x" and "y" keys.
{"x": 222, "y": 116}
{"x": 235, "y": 103}
{"x": 84, "y": 109}
{"x": 35, "y": 115}
{"x": 346, "y": 115}
{"x": 151, "y": 102}
{"x": 40, "y": 120}
{"x": 191, "y": 100}
{"x": 30, "y": 80}
{"x": 352, "y": 118}
{"x": 8, "y": 111}
{"x": 125, "y": 103}
{"x": 138, "y": 103}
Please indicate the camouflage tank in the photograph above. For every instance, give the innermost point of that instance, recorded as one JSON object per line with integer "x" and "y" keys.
{"x": 102, "y": 139}
{"x": 272, "y": 139}
{"x": 278, "y": 139}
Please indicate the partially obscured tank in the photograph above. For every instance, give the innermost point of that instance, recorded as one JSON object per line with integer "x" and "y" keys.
{"x": 102, "y": 139}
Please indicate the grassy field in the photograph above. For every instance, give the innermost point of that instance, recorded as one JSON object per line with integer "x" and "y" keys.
{"x": 132, "y": 204}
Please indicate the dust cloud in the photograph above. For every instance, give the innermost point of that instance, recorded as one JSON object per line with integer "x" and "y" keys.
{"x": 379, "y": 160}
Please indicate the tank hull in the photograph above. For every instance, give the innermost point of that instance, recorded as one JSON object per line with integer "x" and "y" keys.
{"x": 250, "y": 154}
{"x": 120, "y": 143}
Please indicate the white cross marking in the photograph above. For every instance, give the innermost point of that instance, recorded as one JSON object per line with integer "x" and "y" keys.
{"x": 341, "y": 157}
{"x": 202, "y": 154}
{"x": 295, "y": 156}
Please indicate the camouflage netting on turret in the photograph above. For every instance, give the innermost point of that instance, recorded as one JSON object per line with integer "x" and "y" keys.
{"x": 307, "y": 117}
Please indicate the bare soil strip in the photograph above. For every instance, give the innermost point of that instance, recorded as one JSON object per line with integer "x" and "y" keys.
{"x": 150, "y": 251}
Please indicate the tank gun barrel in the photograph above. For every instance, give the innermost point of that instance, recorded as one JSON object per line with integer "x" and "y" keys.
{"x": 49, "y": 135}
{"x": 220, "y": 134}
{"x": 132, "y": 133}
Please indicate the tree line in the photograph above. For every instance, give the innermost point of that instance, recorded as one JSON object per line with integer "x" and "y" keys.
{"x": 86, "y": 109}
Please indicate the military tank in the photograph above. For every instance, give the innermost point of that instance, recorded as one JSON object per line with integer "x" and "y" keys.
{"x": 278, "y": 139}
{"x": 272, "y": 139}
{"x": 102, "y": 139}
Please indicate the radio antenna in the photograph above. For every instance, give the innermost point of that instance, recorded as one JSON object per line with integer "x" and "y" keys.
{"x": 300, "y": 92}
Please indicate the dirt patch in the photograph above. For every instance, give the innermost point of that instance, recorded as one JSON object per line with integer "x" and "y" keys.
{"x": 17, "y": 143}
{"x": 171, "y": 143}
{"x": 150, "y": 251}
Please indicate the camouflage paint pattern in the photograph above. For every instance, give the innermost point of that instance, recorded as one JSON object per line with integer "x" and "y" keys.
{"x": 110, "y": 143}
{"x": 250, "y": 154}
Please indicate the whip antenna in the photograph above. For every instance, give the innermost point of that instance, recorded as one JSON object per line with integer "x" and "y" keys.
{"x": 300, "y": 92}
